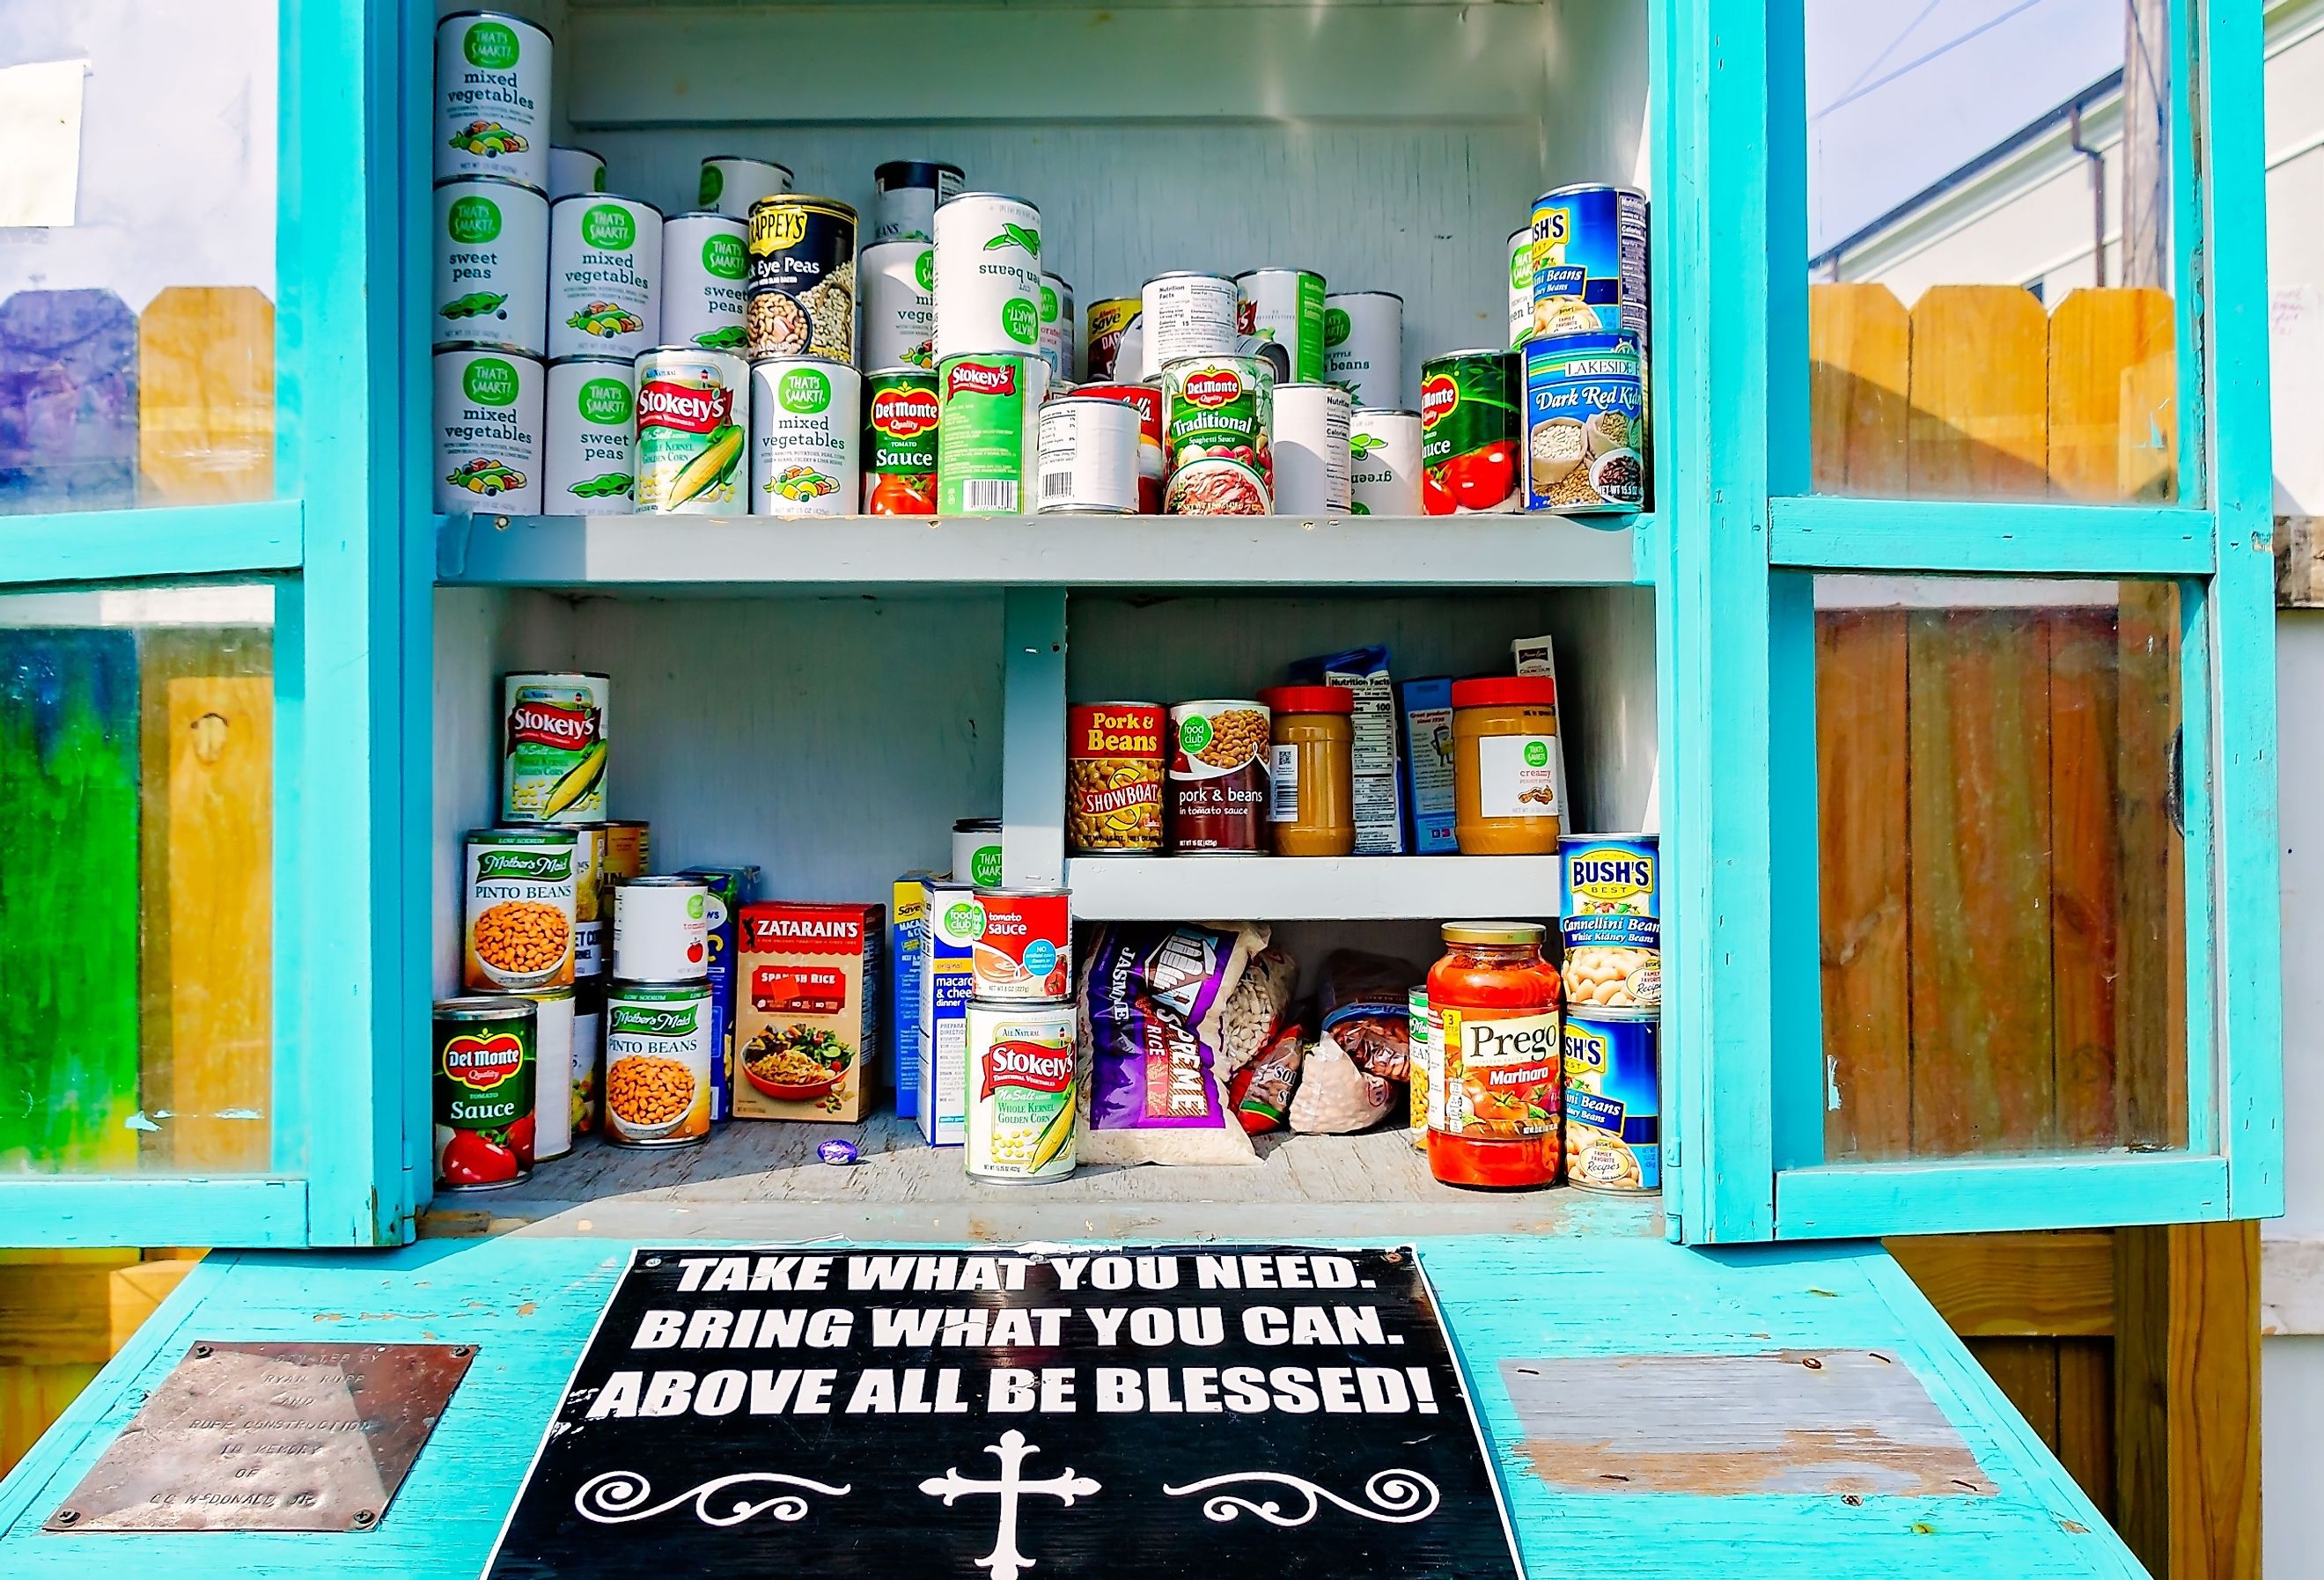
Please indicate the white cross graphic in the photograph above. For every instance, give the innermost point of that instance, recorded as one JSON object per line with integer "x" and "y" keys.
{"x": 1005, "y": 1562}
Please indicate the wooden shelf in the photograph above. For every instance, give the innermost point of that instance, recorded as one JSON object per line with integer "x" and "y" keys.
{"x": 1326, "y": 889}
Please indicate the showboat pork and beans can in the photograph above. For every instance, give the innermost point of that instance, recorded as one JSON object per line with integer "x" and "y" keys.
{"x": 1025, "y": 945}
{"x": 693, "y": 411}
{"x": 807, "y": 420}
{"x": 1114, "y": 778}
{"x": 802, "y": 294}
{"x": 907, "y": 193}
{"x": 492, "y": 257}
{"x": 520, "y": 909}
{"x": 493, "y": 74}
{"x": 661, "y": 928}
{"x": 900, "y": 304}
{"x": 1613, "y": 1099}
{"x": 976, "y": 851}
{"x": 604, "y": 276}
{"x": 1218, "y": 780}
{"x": 552, "y": 1059}
{"x": 988, "y": 276}
{"x": 988, "y": 436}
{"x": 574, "y": 169}
{"x": 1589, "y": 262}
{"x": 1363, "y": 347}
{"x": 1585, "y": 411}
{"x": 1183, "y": 314}
{"x": 659, "y": 1042}
{"x": 1310, "y": 449}
{"x": 1611, "y": 921}
{"x": 901, "y": 413}
{"x": 553, "y": 745}
{"x": 1089, "y": 448}
{"x": 730, "y": 183}
{"x": 486, "y": 1077}
{"x": 704, "y": 281}
{"x": 1219, "y": 415}
{"x": 1024, "y": 1100}
{"x": 488, "y": 430}
{"x": 1384, "y": 463}
{"x": 590, "y": 466}
{"x": 1147, "y": 401}
{"x": 1471, "y": 428}
{"x": 1279, "y": 315}
{"x": 1109, "y": 321}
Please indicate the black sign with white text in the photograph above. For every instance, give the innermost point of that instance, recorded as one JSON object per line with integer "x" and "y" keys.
{"x": 1269, "y": 1411}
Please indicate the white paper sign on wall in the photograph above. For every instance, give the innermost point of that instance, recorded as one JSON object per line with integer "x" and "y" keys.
{"x": 39, "y": 125}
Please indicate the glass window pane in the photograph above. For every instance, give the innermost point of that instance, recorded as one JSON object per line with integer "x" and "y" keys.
{"x": 136, "y": 881}
{"x": 2002, "y": 875}
{"x": 1990, "y": 250}
{"x": 137, "y": 254}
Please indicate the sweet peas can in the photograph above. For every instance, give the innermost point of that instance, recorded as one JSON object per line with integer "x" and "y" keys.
{"x": 730, "y": 183}
{"x": 492, "y": 255}
{"x": 704, "y": 281}
{"x": 590, "y": 465}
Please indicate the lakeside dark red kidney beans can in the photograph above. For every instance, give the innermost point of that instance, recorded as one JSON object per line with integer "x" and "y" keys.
{"x": 485, "y": 1074}
{"x": 900, "y": 442}
{"x": 1218, "y": 779}
{"x": 1149, "y": 400}
{"x": 1469, "y": 423}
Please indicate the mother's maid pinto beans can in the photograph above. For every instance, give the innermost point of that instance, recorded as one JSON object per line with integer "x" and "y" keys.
{"x": 520, "y": 908}
{"x": 492, "y": 99}
{"x": 659, "y": 1040}
{"x": 486, "y": 1079}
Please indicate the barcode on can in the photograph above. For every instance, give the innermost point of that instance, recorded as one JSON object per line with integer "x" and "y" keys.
{"x": 1056, "y": 483}
{"x": 989, "y": 494}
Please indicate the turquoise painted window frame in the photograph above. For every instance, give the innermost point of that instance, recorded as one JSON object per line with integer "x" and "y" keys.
{"x": 345, "y": 579}
{"x": 1743, "y": 1043}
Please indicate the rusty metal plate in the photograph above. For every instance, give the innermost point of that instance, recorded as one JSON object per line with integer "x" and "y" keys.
{"x": 270, "y": 1436}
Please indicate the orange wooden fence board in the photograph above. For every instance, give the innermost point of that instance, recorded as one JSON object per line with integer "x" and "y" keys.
{"x": 2084, "y": 874}
{"x": 1859, "y": 354}
{"x": 2095, "y": 338}
{"x": 206, "y": 396}
{"x": 1980, "y": 418}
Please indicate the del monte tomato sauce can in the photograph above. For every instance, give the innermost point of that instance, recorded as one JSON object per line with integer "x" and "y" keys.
{"x": 901, "y": 412}
{"x": 1497, "y": 1068}
{"x": 1469, "y": 433}
{"x": 485, "y": 1072}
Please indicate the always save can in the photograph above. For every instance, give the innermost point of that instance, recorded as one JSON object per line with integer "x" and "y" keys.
{"x": 1109, "y": 321}
{"x": 1057, "y": 337}
{"x": 1470, "y": 428}
{"x": 488, "y": 440}
{"x": 728, "y": 889}
{"x": 574, "y": 169}
{"x": 731, "y": 183}
{"x": 900, "y": 412}
{"x": 1611, "y": 921}
{"x": 988, "y": 276}
{"x": 590, "y": 465}
{"x": 492, "y": 98}
{"x": 1025, "y": 948}
{"x": 485, "y": 1077}
{"x": 1147, "y": 401}
{"x": 900, "y": 305}
{"x": 658, "y": 1045}
{"x": 1310, "y": 449}
{"x": 1219, "y": 414}
{"x": 1183, "y": 313}
{"x": 661, "y": 928}
{"x": 1279, "y": 315}
{"x": 1384, "y": 463}
{"x": 705, "y": 280}
{"x": 807, "y": 419}
{"x": 988, "y": 438}
{"x": 553, "y": 746}
{"x": 1089, "y": 455}
{"x": 802, "y": 278}
{"x": 1589, "y": 262}
{"x": 604, "y": 276}
{"x": 520, "y": 909}
{"x": 694, "y": 408}
{"x": 906, "y": 195}
{"x": 1024, "y": 1101}
{"x": 1613, "y": 1100}
{"x": 552, "y": 1060}
{"x": 492, "y": 255}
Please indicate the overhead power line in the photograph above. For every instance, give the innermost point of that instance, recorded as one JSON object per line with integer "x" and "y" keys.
{"x": 1914, "y": 64}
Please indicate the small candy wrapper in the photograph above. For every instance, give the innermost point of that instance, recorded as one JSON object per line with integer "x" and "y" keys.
{"x": 838, "y": 1149}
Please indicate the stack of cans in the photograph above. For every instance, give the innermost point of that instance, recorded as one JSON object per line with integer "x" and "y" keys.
{"x": 1612, "y": 972}
{"x": 1586, "y": 450}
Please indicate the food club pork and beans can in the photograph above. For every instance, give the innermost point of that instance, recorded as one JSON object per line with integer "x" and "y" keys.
{"x": 493, "y": 74}
{"x": 1469, "y": 433}
{"x": 553, "y": 746}
{"x": 900, "y": 414}
{"x": 1217, "y": 784}
{"x": 693, "y": 411}
{"x": 492, "y": 255}
{"x": 807, "y": 419}
{"x": 589, "y": 467}
{"x": 485, "y": 1081}
{"x": 489, "y": 403}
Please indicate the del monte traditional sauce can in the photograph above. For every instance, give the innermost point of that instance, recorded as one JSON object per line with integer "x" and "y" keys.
{"x": 694, "y": 409}
{"x": 1497, "y": 1068}
{"x": 1114, "y": 778}
{"x": 1218, "y": 421}
{"x": 485, "y": 1075}
{"x": 1024, "y": 1101}
{"x": 900, "y": 414}
{"x": 553, "y": 747}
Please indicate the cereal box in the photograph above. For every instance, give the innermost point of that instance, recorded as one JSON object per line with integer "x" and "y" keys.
{"x": 807, "y": 1011}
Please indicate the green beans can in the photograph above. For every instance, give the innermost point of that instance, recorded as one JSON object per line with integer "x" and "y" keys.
{"x": 485, "y": 1072}
{"x": 1218, "y": 418}
{"x": 1470, "y": 428}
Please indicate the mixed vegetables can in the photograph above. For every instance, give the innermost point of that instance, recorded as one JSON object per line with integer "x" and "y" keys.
{"x": 802, "y": 295}
{"x": 988, "y": 436}
{"x": 488, "y": 434}
{"x": 901, "y": 412}
{"x": 604, "y": 276}
{"x": 553, "y": 746}
{"x": 588, "y": 467}
{"x": 492, "y": 254}
{"x": 1219, "y": 414}
{"x": 900, "y": 304}
{"x": 704, "y": 281}
{"x": 805, "y": 421}
{"x": 493, "y": 78}
{"x": 1469, "y": 433}
{"x": 694, "y": 406}
{"x": 659, "y": 1040}
{"x": 1024, "y": 1100}
{"x": 485, "y": 1078}
{"x": 520, "y": 909}
{"x": 988, "y": 276}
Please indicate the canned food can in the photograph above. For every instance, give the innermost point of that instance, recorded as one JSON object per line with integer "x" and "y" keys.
{"x": 492, "y": 257}
{"x": 1363, "y": 347}
{"x": 988, "y": 276}
{"x": 1109, "y": 321}
{"x": 906, "y": 194}
{"x": 704, "y": 281}
{"x": 731, "y": 183}
{"x": 659, "y": 1044}
{"x": 1057, "y": 338}
{"x": 806, "y": 422}
{"x": 1613, "y": 1100}
{"x": 1089, "y": 455}
{"x": 553, "y": 745}
{"x": 1310, "y": 449}
{"x": 1384, "y": 463}
{"x": 727, "y": 889}
{"x": 575, "y": 171}
{"x": 486, "y": 1076}
{"x": 629, "y": 852}
{"x": 901, "y": 413}
{"x": 1520, "y": 285}
{"x": 1219, "y": 414}
{"x": 592, "y": 430}
{"x": 976, "y": 851}
{"x": 493, "y": 74}
{"x": 552, "y": 1061}
{"x": 1024, "y": 1098}
{"x": 900, "y": 305}
{"x": 1219, "y": 780}
{"x": 693, "y": 409}
{"x": 1114, "y": 778}
{"x": 1422, "y": 1034}
{"x": 520, "y": 909}
{"x": 988, "y": 438}
{"x": 1279, "y": 315}
{"x": 592, "y": 908}
{"x": 1589, "y": 262}
{"x": 1585, "y": 404}
{"x": 604, "y": 276}
{"x": 1612, "y": 923}
{"x": 1147, "y": 401}
{"x": 661, "y": 930}
{"x": 1184, "y": 314}
{"x": 488, "y": 439}
{"x": 1470, "y": 431}
{"x": 802, "y": 278}
{"x": 588, "y": 1056}
{"x": 1025, "y": 945}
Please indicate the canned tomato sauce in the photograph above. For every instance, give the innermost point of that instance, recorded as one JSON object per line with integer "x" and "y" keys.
{"x": 802, "y": 278}
{"x": 704, "y": 281}
{"x": 661, "y": 930}
{"x": 659, "y": 1044}
{"x": 1024, "y": 1101}
{"x": 900, "y": 414}
{"x": 805, "y": 421}
{"x": 1611, "y": 921}
{"x": 1613, "y": 1100}
{"x": 488, "y": 437}
{"x": 1495, "y": 1063}
{"x": 1470, "y": 428}
{"x": 1218, "y": 780}
{"x": 552, "y": 1060}
{"x": 694, "y": 409}
{"x": 486, "y": 1076}
{"x": 492, "y": 254}
{"x": 520, "y": 909}
{"x": 553, "y": 747}
{"x": 1024, "y": 948}
{"x": 1219, "y": 415}
{"x": 988, "y": 436}
{"x": 1114, "y": 778}
{"x": 493, "y": 74}
{"x": 731, "y": 183}
{"x": 590, "y": 466}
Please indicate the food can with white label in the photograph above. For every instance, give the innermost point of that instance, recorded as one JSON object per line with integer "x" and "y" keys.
{"x": 1024, "y": 1101}
{"x": 693, "y": 411}
{"x": 900, "y": 304}
{"x": 1148, "y": 400}
{"x": 807, "y": 422}
{"x": 553, "y": 747}
{"x": 988, "y": 434}
{"x": 907, "y": 193}
{"x": 1311, "y": 423}
{"x": 1363, "y": 346}
{"x": 731, "y": 183}
{"x": 604, "y": 275}
{"x": 1279, "y": 315}
{"x": 988, "y": 276}
{"x": 704, "y": 281}
{"x": 520, "y": 909}
{"x": 1384, "y": 463}
{"x": 588, "y": 1056}
{"x": 593, "y": 904}
{"x": 1057, "y": 337}
{"x": 574, "y": 170}
{"x": 492, "y": 99}
{"x": 802, "y": 278}
{"x": 1184, "y": 314}
{"x": 488, "y": 445}
{"x": 491, "y": 261}
{"x": 1089, "y": 455}
{"x": 1520, "y": 285}
{"x": 552, "y": 1085}
{"x": 661, "y": 928}
{"x": 976, "y": 851}
{"x": 590, "y": 467}
{"x": 659, "y": 1040}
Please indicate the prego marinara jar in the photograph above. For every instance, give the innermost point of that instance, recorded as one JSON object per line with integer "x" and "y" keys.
{"x": 1507, "y": 798}
{"x": 1496, "y": 1070}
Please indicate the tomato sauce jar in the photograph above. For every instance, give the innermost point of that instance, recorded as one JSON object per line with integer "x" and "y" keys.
{"x": 1496, "y": 1093}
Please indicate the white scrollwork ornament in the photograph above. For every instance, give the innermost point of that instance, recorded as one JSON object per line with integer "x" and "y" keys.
{"x": 1391, "y": 1497}
{"x": 620, "y": 1496}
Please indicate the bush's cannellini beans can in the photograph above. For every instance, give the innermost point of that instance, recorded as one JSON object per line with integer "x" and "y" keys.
{"x": 492, "y": 99}
{"x": 988, "y": 276}
{"x": 604, "y": 275}
{"x": 492, "y": 259}
{"x": 694, "y": 419}
{"x": 1089, "y": 455}
{"x": 806, "y": 422}
{"x": 900, "y": 304}
{"x": 731, "y": 183}
{"x": 575, "y": 171}
{"x": 488, "y": 440}
{"x": 1279, "y": 315}
{"x": 705, "y": 280}
{"x": 1182, "y": 315}
{"x": 1057, "y": 335}
{"x": 908, "y": 193}
{"x": 589, "y": 465}
{"x": 552, "y": 1093}
{"x": 1312, "y": 424}
{"x": 1384, "y": 463}
{"x": 661, "y": 930}
{"x": 1024, "y": 1103}
{"x": 1520, "y": 285}
{"x": 988, "y": 432}
{"x": 1363, "y": 348}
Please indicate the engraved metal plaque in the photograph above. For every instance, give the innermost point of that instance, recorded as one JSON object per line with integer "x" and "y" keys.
{"x": 270, "y": 1436}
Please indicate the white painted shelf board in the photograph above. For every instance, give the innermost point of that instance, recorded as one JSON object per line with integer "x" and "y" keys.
{"x": 1311, "y": 888}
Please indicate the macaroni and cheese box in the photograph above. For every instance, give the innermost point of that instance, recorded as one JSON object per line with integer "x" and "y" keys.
{"x": 807, "y": 1020}
{"x": 908, "y": 946}
{"x": 948, "y": 982}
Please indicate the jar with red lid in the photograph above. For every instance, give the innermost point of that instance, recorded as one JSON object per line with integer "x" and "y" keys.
{"x": 1507, "y": 798}
{"x": 1312, "y": 785}
{"x": 1496, "y": 1096}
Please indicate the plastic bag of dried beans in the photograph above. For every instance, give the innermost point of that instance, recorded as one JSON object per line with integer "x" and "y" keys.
{"x": 1153, "y": 999}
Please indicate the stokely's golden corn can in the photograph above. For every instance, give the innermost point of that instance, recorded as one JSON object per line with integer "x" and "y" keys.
{"x": 693, "y": 411}
{"x": 1024, "y": 1101}
{"x": 553, "y": 748}
{"x": 520, "y": 910}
